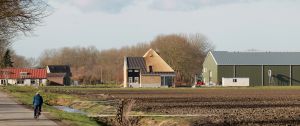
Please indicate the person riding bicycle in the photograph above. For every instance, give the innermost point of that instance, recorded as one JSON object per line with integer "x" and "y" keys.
{"x": 37, "y": 103}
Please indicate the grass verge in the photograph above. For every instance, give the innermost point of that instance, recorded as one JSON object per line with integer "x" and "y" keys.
{"x": 25, "y": 95}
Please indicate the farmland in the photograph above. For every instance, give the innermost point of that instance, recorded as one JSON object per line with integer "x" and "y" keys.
{"x": 211, "y": 106}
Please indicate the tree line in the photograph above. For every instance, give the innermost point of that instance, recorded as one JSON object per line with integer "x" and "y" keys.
{"x": 185, "y": 53}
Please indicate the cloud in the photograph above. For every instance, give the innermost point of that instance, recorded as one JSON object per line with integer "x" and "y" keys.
{"x": 116, "y": 6}
{"x": 187, "y": 5}
{"x": 109, "y": 6}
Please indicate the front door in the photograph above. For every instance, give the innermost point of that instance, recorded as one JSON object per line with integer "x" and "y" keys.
{"x": 134, "y": 77}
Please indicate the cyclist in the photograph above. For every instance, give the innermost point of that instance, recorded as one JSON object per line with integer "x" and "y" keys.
{"x": 37, "y": 103}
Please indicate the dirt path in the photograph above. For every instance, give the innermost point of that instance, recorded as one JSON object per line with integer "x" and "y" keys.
{"x": 14, "y": 114}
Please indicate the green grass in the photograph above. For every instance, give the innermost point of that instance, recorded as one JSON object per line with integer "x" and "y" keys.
{"x": 25, "y": 96}
{"x": 94, "y": 86}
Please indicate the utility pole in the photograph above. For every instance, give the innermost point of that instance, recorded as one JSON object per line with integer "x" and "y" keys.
{"x": 101, "y": 75}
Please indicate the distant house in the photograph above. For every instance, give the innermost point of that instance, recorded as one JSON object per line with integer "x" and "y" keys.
{"x": 59, "y": 75}
{"x": 147, "y": 71}
{"x": 23, "y": 76}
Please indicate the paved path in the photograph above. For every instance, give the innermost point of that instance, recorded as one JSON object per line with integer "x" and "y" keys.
{"x": 14, "y": 114}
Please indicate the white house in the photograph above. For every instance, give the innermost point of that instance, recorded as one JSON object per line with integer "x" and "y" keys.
{"x": 23, "y": 76}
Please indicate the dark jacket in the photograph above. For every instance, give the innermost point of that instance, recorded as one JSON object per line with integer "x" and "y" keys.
{"x": 37, "y": 100}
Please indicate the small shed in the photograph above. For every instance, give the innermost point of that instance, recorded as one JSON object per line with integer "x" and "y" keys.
{"x": 235, "y": 82}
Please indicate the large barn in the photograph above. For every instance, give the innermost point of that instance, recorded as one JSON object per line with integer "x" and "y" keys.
{"x": 255, "y": 68}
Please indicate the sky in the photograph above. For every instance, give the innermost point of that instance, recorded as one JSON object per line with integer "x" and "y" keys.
{"x": 231, "y": 25}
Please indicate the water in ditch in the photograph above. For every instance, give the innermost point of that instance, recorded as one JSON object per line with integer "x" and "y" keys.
{"x": 69, "y": 109}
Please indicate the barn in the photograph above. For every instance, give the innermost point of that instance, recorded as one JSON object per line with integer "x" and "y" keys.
{"x": 222, "y": 68}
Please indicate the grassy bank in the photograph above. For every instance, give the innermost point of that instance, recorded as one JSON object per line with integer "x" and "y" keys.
{"x": 25, "y": 95}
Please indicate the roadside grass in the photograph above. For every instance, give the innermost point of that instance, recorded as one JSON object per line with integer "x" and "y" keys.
{"x": 95, "y": 86}
{"x": 25, "y": 95}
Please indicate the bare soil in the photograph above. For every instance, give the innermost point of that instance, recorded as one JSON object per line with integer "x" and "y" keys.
{"x": 217, "y": 106}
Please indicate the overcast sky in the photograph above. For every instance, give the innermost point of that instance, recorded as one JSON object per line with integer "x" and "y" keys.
{"x": 232, "y": 25}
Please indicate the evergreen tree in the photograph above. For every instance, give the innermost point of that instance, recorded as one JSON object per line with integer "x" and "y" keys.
{"x": 6, "y": 60}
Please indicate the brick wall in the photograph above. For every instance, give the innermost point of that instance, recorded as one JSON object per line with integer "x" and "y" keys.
{"x": 150, "y": 80}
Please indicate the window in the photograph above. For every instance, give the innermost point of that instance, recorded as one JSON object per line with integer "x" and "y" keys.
{"x": 150, "y": 69}
{"x": 129, "y": 71}
{"x": 23, "y": 74}
{"x": 210, "y": 74}
{"x": 2, "y": 81}
{"x": 32, "y": 81}
{"x": 136, "y": 79}
{"x": 20, "y": 81}
{"x": 234, "y": 80}
{"x": 130, "y": 79}
{"x": 136, "y": 71}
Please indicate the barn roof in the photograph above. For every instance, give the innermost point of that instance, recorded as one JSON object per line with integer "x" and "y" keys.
{"x": 256, "y": 58}
{"x": 15, "y": 73}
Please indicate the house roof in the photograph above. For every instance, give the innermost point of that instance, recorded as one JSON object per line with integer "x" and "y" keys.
{"x": 14, "y": 73}
{"x": 151, "y": 58}
{"x": 56, "y": 74}
{"x": 59, "y": 68}
{"x": 136, "y": 63}
{"x": 256, "y": 58}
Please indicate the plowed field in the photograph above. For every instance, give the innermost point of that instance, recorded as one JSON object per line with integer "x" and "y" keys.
{"x": 218, "y": 106}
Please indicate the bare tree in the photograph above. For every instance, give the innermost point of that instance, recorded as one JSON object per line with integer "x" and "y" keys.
{"x": 19, "y": 16}
{"x": 185, "y": 53}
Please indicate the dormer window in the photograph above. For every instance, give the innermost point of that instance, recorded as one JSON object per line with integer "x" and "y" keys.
{"x": 23, "y": 74}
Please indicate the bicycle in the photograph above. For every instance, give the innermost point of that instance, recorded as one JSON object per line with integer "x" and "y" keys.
{"x": 37, "y": 112}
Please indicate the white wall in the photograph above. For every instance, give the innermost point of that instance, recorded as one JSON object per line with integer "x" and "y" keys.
{"x": 27, "y": 82}
{"x": 11, "y": 81}
{"x": 134, "y": 85}
{"x": 125, "y": 76}
{"x": 44, "y": 81}
{"x": 239, "y": 82}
